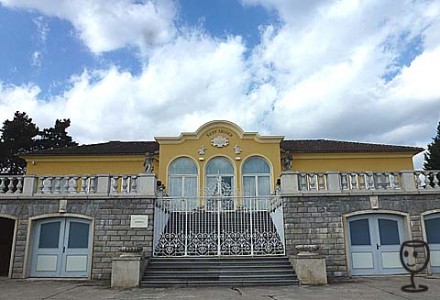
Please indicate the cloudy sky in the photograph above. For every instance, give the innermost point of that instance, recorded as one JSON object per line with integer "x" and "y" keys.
{"x": 131, "y": 69}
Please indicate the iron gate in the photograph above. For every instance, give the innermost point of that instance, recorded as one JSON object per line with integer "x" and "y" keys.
{"x": 207, "y": 226}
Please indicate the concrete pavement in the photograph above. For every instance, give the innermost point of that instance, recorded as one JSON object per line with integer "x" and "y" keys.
{"x": 358, "y": 288}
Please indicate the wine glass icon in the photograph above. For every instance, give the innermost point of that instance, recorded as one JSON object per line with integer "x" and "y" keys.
{"x": 410, "y": 258}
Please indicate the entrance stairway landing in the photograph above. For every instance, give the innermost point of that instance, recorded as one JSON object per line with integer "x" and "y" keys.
{"x": 220, "y": 271}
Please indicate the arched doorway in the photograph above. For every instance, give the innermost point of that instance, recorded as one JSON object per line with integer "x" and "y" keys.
{"x": 6, "y": 240}
{"x": 61, "y": 247}
{"x": 432, "y": 227}
{"x": 374, "y": 244}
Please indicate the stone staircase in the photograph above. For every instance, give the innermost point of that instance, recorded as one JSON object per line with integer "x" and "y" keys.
{"x": 222, "y": 271}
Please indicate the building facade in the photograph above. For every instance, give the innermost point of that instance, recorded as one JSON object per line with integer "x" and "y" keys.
{"x": 217, "y": 192}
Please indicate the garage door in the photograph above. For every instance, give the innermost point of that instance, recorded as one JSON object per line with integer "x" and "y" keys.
{"x": 432, "y": 226}
{"x": 61, "y": 248}
{"x": 374, "y": 244}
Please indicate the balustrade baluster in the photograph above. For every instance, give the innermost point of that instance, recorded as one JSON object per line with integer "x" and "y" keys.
{"x": 379, "y": 181}
{"x": 124, "y": 185}
{"x": 321, "y": 182}
{"x": 73, "y": 188}
{"x": 92, "y": 188}
{"x": 66, "y": 184}
{"x": 19, "y": 186}
{"x": 435, "y": 179}
{"x": 396, "y": 180}
{"x": 417, "y": 179}
{"x": 344, "y": 181}
{"x": 133, "y": 188}
{"x": 41, "y": 184}
{"x": 2, "y": 185}
{"x": 83, "y": 184}
{"x": 10, "y": 186}
{"x": 362, "y": 181}
{"x": 353, "y": 181}
{"x": 312, "y": 182}
{"x": 387, "y": 180}
{"x": 427, "y": 180}
{"x": 303, "y": 182}
{"x": 114, "y": 184}
{"x": 370, "y": 181}
{"x": 57, "y": 185}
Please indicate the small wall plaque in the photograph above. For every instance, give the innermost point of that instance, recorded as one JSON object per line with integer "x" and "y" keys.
{"x": 139, "y": 221}
{"x": 374, "y": 201}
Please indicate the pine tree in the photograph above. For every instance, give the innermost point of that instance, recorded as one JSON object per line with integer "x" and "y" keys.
{"x": 17, "y": 136}
{"x": 55, "y": 137}
{"x": 21, "y": 135}
{"x": 432, "y": 157}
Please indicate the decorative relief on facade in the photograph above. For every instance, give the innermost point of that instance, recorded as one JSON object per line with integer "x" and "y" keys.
{"x": 237, "y": 149}
{"x": 219, "y": 141}
{"x": 201, "y": 150}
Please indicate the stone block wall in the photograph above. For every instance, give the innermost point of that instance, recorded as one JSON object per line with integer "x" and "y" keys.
{"x": 318, "y": 219}
{"x": 111, "y": 219}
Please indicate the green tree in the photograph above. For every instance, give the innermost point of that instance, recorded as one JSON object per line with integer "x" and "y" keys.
{"x": 55, "y": 137}
{"x": 17, "y": 136}
{"x": 22, "y": 135}
{"x": 432, "y": 156}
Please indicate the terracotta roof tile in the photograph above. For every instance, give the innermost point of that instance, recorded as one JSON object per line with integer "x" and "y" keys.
{"x": 108, "y": 148}
{"x": 332, "y": 146}
{"x": 294, "y": 146}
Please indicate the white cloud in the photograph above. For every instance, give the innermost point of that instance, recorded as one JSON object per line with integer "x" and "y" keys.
{"x": 188, "y": 82}
{"x": 108, "y": 25}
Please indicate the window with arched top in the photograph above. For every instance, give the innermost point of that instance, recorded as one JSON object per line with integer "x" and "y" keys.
{"x": 182, "y": 181}
{"x": 256, "y": 177}
{"x": 256, "y": 181}
{"x": 219, "y": 177}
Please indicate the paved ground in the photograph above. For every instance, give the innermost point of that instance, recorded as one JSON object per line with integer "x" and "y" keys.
{"x": 358, "y": 289}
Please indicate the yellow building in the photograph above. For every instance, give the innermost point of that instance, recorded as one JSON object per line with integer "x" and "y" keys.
{"x": 218, "y": 192}
{"x": 222, "y": 141}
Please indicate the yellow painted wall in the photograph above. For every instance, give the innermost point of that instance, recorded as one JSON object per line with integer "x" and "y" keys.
{"x": 188, "y": 144}
{"x": 66, "y": 165}
{"x": 352, "y": 162}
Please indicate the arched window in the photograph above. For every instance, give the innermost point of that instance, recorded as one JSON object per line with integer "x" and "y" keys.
{"x": 219, "y": 174}
{"x": 256, "y": 177}
{"x": 182, "y": 180}
{"x": 220, "y": 182}
{"x": 256, "y": 181}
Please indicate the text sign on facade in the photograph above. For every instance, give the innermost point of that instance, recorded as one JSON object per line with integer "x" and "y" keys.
{"x": 139, "y": 221}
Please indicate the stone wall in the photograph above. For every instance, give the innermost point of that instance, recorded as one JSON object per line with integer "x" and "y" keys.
{"x": 111, "y": 230}
{"x": 318, "y": 219}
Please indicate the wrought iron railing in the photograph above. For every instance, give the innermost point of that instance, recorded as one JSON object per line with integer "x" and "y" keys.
{"x": 196, "y": 227}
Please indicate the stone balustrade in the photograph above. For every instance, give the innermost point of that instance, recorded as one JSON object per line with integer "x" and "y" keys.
{"x": 74, "y": 185}
{"x": 340, "y": 182}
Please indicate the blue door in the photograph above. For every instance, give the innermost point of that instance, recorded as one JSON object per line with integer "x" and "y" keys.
{"x": 374, "y": 244}
{"x": 432, "y": 226}
{"x": 61, "y": 248}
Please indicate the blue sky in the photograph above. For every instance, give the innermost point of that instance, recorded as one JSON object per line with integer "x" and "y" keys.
{"x": 132, "y": 70}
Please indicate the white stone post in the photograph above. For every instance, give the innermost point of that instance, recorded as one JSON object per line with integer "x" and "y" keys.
{"x": 127, "y": 269}
{"x": 29, "y": 185}
{"x": 333, "y": 181}
{"x": 289, "y": 182}
{"x": 146, "y": 184}
{"x": 310, "y": 267}
{"x": 407, "y": 181}
{"x": 103, "y": 184}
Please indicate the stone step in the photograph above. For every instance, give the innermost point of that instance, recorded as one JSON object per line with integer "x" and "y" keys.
{"x": 231, "y": 271}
